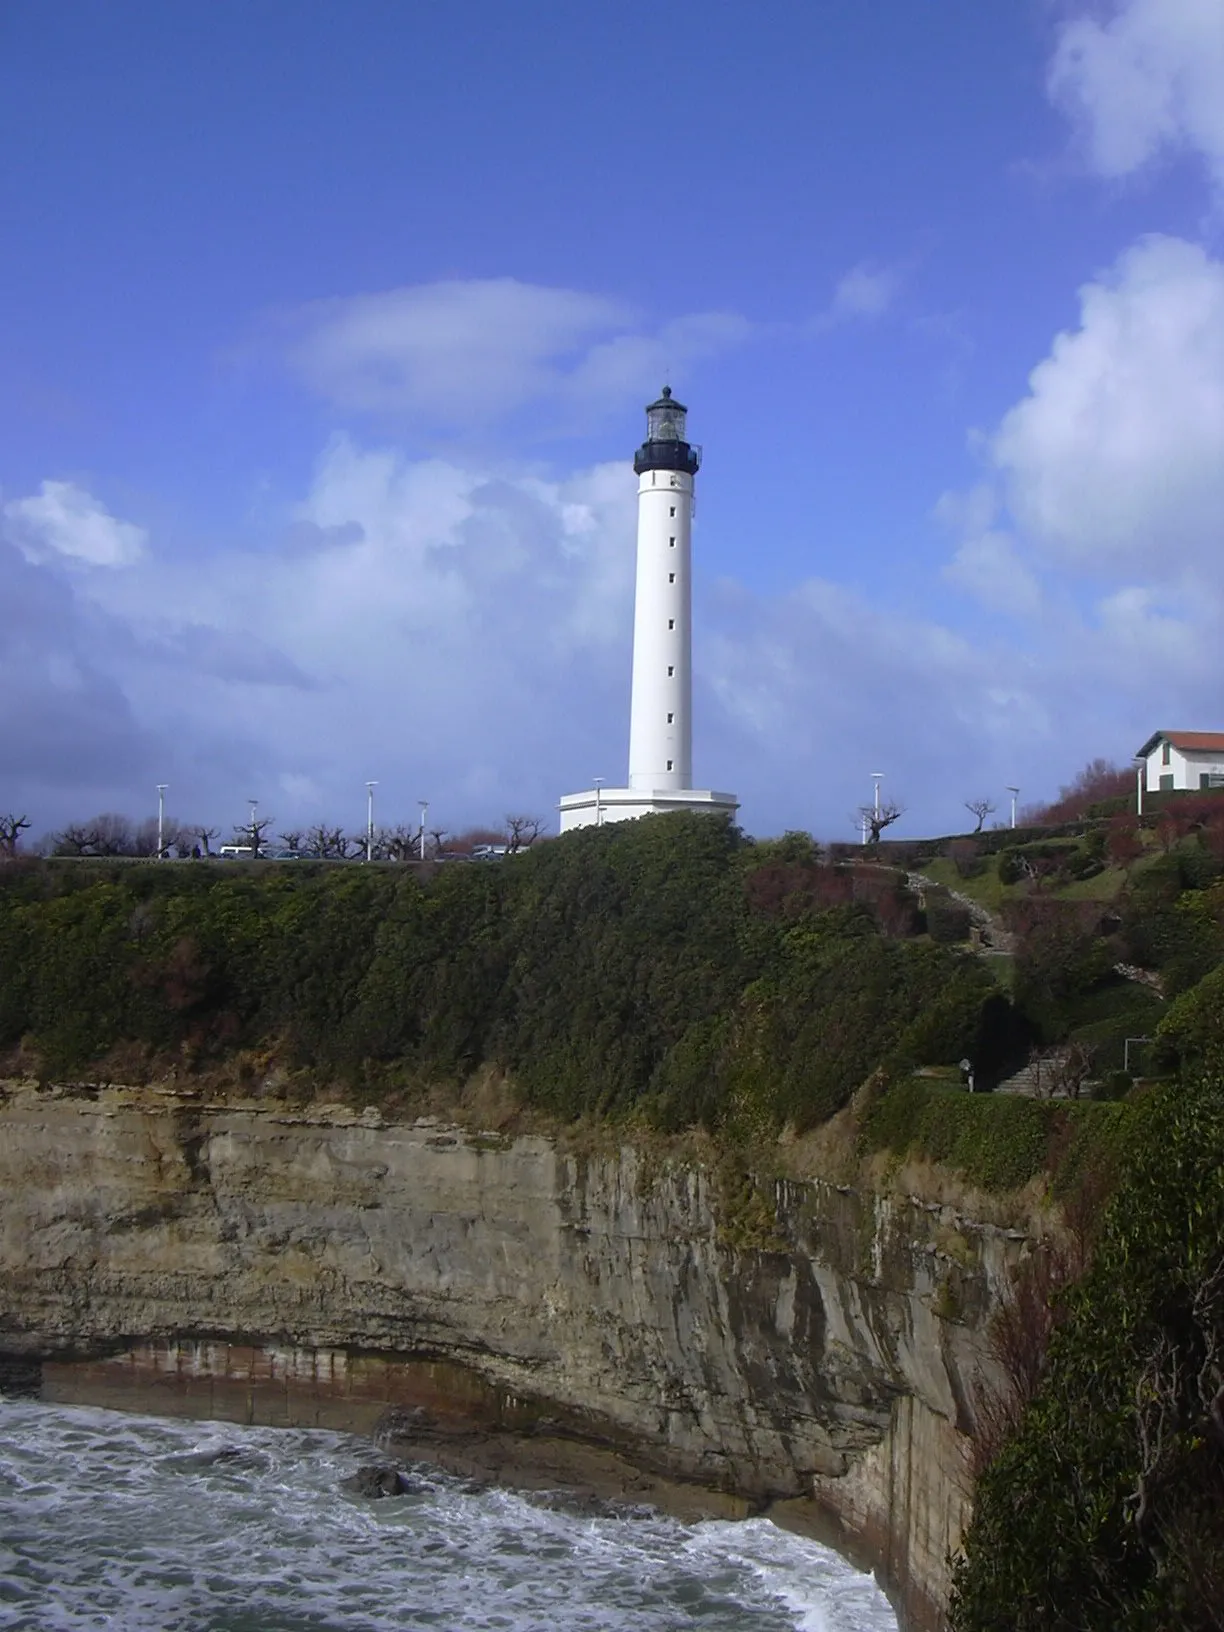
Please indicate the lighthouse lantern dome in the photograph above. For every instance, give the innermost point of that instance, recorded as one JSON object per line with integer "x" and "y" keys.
{"x": 665, "y": 419}
{"x": 666, "y": 446}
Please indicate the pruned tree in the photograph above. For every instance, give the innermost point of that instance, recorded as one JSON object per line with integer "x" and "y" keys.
{"x": 399, "y": 843}
{"x": 980, "y": 809}
{"x": 205, "y": 836}
{"x": 11, "y": 829}
{"x": 873, "y": 819}
{"x": 293, "y": 839}
{"x": 328, "y": 843}
{"x": 523, "y": 831}
{"x": 77, "y": 839}
{"x": 253, "y": 834}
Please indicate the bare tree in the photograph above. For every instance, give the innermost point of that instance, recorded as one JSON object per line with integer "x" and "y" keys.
{"x": 253, "y": 833}
{"x": 523, "y": 831}
{"x": 293, "y": 839}
{"x": 981, "y": 808}
{"x": 205, "y": 836}
{"x": 11, "y": 829}
{"x": 145, "y": 837}
{"x": 77, "y": 839}
{"x": 874, "y": 821}
{"x": 113, "y": 835}
{"x": 399, "y": 843}
{"x": 328, "y": 843}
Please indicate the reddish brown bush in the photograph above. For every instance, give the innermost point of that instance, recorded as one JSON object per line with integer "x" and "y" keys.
{"x": 1123, "y": 844}
{"x": 1099, "y": 779}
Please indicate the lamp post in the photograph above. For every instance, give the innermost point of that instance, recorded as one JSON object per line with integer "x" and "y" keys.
{"x": 1140, "y": 767}
{"x": 1015, "y": 793}
{"x": 370, "y": 786}
{"x": 254, "y": 804}
{"x": 598, "y": 782}
{"x": 877, "y": 777}
{"x": 424, "y": 804}
{"x": 161, "y": 820}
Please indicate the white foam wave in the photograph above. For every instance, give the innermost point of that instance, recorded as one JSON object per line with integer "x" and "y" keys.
{"x": 137, "y": 1524}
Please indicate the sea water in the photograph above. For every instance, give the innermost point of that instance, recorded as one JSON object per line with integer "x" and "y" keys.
{"x": 139, "y": 1524}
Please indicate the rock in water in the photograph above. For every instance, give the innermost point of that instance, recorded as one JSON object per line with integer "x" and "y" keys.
{"x": 377, "y": 1481}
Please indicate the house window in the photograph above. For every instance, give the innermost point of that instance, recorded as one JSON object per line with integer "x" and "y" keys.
{"x": 671, "y": 623}
{"x": 1164, "y": 754}
{"x": 671, "y": 719}
{"x": 1206, "y": 780}
{"x": 671, "y": 668}
{"x": 1166, "y": 784}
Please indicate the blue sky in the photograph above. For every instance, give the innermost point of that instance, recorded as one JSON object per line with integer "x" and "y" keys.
{"x": 325, "y": 334}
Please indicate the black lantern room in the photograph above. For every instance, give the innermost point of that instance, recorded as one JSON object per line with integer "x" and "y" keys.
{"x": 665, "y": 447}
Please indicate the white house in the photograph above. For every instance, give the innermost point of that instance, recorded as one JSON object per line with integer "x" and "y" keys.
{"x": 1182, "y": 760}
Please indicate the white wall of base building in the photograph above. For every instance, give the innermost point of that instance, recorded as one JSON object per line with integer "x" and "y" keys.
{"x": 598, "y": 806}
{"x": 1183, "y": 770}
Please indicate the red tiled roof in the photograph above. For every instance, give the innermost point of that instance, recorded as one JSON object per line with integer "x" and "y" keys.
{"x": 1190, "y": 742}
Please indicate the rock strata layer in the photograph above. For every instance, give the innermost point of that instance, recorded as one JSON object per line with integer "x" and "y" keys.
{"x": 262, "y": 1262}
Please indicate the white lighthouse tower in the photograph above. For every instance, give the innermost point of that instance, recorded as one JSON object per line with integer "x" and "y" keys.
{"x": 661, "y": 710}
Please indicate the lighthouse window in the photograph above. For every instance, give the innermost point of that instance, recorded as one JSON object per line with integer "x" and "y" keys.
{"x": 669, "y": 764}
{"x": 672, "y": 542}
{"x": 672, "y": 511}
{"x": 671, "y": 577}
{"x": 671, "y": 719}
{"x": 671, "y": 668}
{"x": 671, "y": 623}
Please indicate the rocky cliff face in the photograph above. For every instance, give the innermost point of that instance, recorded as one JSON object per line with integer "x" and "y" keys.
{"x": 228, "y": 1257}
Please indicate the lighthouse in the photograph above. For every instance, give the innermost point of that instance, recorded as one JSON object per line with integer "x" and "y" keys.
{"x": 661, "y": 704}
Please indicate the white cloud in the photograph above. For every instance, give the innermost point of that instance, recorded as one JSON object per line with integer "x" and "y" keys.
{"x": 1147, "y": 79}
{"x": 462, "y": 353}
{"x": 456, "y": 632}
{"x": 1115, "y": 458}
{"x": 63, "y": 520}
{"x": 990, "y": 568}
{"x": 866, "y": 291}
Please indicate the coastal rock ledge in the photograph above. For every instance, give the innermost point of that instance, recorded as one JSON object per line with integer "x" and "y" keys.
{"x": 260, "y": 1262}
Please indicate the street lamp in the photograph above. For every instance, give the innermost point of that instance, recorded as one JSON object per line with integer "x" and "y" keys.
{"x": 424, "y": 804}
{"x": 1015, "y": 793}
{"x": 254, "y": 804}
{"x": 598, "y": 781}
{"x": 877, "y": 777}
{"x": 161, "y": 820}
{"x": 370, "y": 786}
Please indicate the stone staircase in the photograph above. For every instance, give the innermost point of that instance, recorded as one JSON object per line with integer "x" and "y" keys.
{"x": 990, "y": 935}
{"x": 1033, "y": 1078}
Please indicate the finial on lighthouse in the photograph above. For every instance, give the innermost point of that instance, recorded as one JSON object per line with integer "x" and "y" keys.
{"x": 665, "y": 447}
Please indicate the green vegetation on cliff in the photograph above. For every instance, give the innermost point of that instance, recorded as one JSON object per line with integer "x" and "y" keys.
{"x": 1104, "y": 1512}
{"x": 669, "y": 966}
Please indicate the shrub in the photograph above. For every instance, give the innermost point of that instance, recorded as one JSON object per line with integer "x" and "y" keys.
{"x": 947, "y": 921}
{"x": 1104, "y": 1511}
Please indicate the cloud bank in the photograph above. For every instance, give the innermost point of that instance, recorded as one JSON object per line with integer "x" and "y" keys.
{"x": 1145, "y": 81}
{"x": 469, "y": 352}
